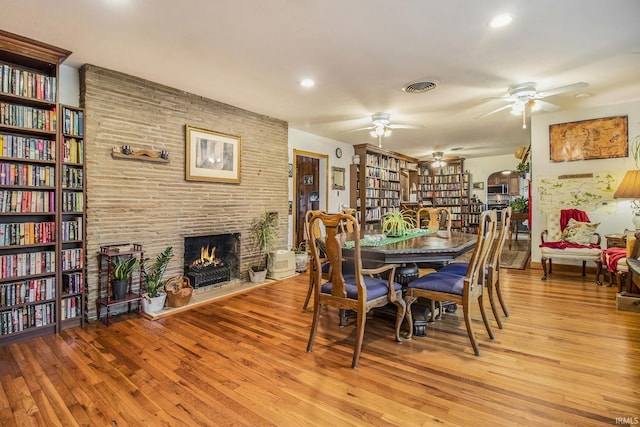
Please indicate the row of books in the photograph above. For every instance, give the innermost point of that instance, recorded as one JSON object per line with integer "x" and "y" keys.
{"x": 72, "y": 283}
{"x": 72, "y": 230}
{"x": 72, "y": 150}
{"x": 70, "y": 308}
{"x": 27, "y": 291}
{"x": 30, "y": 316}
{"x": 72, "y": 177}
{"x": 18, "y": 81}
{"x": 72, "y": 259}
{"x": 27, "y": 174}
{"x": 22, "y": 147}
{"x": 73, "y": 122}
{"x": 27, "y": 201}
{"x": 27, "y": 233}
{"x": 28, "y": 117}
{"x": 72, "y": 202}
{"x": 26, "y": 264}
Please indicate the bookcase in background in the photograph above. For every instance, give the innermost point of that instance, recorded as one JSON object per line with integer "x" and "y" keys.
{"x": 72, "y": 218}
{"x": 34, "y": 258}
{"x": 449, "y": 186}
{"x": 379, "y": 183}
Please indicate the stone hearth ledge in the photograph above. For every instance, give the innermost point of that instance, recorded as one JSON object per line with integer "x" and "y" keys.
{"x": 210, "y": 293}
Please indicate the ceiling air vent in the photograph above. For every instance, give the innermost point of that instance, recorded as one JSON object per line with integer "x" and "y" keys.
{"x": 419, "y": 86}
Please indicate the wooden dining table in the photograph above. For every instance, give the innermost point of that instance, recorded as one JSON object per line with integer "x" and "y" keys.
{"x": 438, "y": 248}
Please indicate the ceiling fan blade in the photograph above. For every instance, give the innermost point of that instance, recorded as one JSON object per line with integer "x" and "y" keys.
{"x": 404, "y": 127}
{"x": 504, "y": 107}
{"x": 508, "y": 98}
{"x": 561, "y": 89}
{"x": 357, "y": 130}
{"x": 546, "y": 106}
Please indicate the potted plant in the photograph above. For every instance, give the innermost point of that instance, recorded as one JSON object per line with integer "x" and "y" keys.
{"x": 122, "y": 269}
{"x": 520, "y": 205}
{"x": 154, "y": 296}
{"x": 263, "y": 232}
{"x": 397, "y": 223}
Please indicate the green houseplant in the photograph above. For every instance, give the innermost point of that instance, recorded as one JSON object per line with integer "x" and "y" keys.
{"x": 122, "y": 268}
{"x": 263, "y": 232}
{"x": 154, "y": 296}
{"x": 520, "y": 205}
{"x": 397, "y": 223}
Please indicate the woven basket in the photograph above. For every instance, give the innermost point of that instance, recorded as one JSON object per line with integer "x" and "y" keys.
{"x": 178, "y": 290}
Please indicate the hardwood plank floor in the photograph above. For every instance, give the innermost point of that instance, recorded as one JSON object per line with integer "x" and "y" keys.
{"x": 564, "y": 357}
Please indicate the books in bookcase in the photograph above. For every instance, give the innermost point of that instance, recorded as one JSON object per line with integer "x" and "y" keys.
{"x": 28, "y": 148}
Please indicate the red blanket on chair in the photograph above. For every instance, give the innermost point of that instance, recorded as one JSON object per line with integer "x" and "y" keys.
{"x": 611, "y": 256}
{"x": 567, "y": 214}
{"x": 563, "y": 245}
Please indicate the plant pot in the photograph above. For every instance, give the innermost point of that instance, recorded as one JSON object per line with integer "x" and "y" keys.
{"x": 258, "y": 276}
{"x": 119, "y": 289}
{"x": 301, "y": 262}
{"x": 153, "y": 304}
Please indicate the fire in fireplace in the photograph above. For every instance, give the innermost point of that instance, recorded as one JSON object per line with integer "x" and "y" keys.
{"x": 211, "y": 259}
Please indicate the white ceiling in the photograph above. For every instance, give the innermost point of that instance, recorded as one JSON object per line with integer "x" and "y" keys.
{"x": 253, "y": 53}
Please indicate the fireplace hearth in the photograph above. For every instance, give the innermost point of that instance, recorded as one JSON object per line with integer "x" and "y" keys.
{"x": 211, "y": 259}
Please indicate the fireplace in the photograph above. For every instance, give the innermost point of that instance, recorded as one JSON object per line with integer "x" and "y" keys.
{"x": 212, "y": 259}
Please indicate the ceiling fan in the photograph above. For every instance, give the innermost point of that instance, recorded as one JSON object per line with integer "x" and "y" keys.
{"x": 525, "y": 95}
{"x": 440, "y": 159}
{"x": 381, "y": 126}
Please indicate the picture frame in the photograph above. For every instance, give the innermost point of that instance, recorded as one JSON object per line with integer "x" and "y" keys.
{"x": 337, "y": 178}
{"x": 602, "y": 138}
{"x": 307, "y": 180}
{"x": 212, "y": 156}
{"x": 478, "y": 185}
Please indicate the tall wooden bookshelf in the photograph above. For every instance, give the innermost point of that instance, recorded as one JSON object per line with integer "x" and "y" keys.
{"x": 449, "y": 186}
{"x": 42, "y": 245}
{"x": 375, "y": 187}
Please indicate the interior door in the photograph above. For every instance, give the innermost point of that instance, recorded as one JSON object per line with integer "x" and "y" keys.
{"x": 307, "y": 190}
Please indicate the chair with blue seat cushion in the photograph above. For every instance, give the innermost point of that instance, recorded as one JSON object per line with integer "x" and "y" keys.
{"x": 492, "y": 269}
{"x": 460, "y": 289}
{"x": 350, "y": 287}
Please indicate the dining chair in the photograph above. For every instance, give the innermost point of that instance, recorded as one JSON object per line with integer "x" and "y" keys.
{"x": 312, "y": 234}
{"x": 358, "y": 292}
{"x": 441, "y": 286}
{"x": 492, "y": 268}
{"x": 434, "y": 218}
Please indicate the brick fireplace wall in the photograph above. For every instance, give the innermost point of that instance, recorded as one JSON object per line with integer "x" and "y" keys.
{"x": 152, "y": 203}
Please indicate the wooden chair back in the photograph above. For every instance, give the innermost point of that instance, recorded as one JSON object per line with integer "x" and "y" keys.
{"x": 352, "y": 291}
{"x": 434, "y": 218}
{"x": 443, "y": 286}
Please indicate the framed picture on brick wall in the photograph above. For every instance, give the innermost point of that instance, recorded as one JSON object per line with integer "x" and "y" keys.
{"x": 212, "y": 156}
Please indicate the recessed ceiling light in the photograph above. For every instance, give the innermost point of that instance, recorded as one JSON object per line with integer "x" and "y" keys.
{"x": 307, "y": 83}
{"x": 582, "y": 95}
{"x": 501, "y": 20}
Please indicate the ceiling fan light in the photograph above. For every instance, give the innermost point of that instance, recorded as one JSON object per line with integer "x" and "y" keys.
{"x": 387, "y": 132}
{"x": 517, "y": 108}
{"x": 373, "y": 133}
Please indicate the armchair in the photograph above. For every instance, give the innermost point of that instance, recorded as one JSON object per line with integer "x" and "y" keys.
{"x": 570, "y": 236}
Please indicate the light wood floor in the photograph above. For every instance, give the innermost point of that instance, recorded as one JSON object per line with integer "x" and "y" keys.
{"x": 565, "y": 357}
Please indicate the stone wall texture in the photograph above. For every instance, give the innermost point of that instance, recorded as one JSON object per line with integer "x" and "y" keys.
{"x": 152, "y": 204}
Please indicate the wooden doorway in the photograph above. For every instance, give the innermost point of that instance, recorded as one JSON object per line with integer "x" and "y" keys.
{"x": 309, "y": 182}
